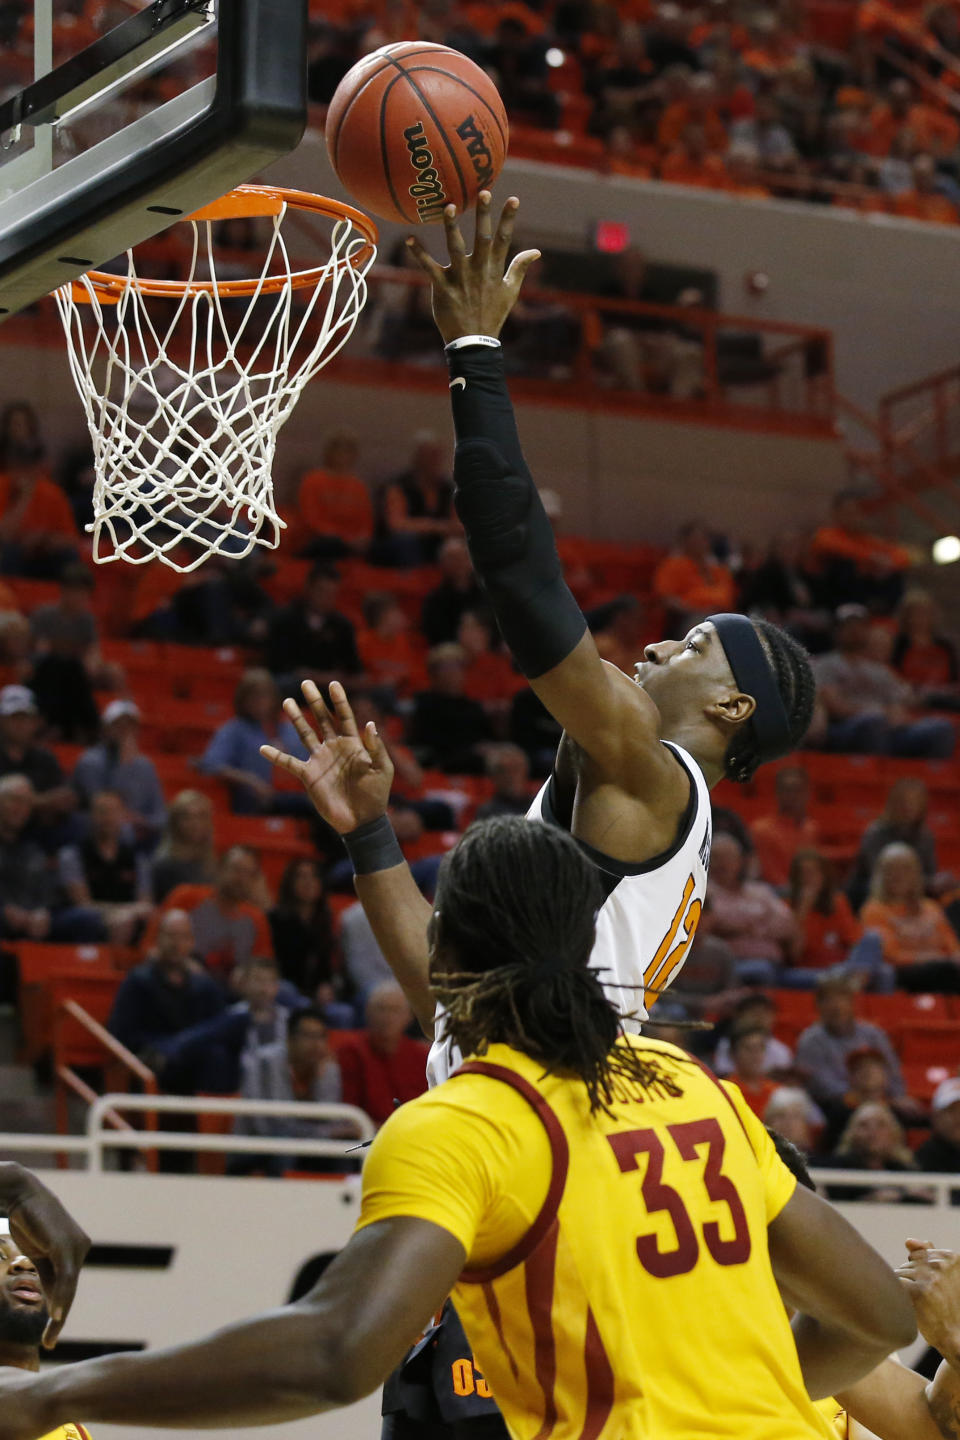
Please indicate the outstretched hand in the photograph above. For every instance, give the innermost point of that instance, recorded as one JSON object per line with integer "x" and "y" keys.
{"x": 932, "y": 1277}
{"x": 473, "y": 295}
{"x": 346, "y": 774}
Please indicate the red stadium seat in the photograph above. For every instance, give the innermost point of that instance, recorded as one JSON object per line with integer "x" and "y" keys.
{"x": 922, "y": 1080}
{"x": 902, "y": 1009}
{"x": 931, "y": 1044}
{"x": 49, "y": 974}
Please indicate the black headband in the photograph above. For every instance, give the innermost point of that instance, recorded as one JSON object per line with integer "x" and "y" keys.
{"x": 752, "y": 672}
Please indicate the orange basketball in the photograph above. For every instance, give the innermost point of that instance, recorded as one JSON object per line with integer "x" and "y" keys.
{"x": 414, "y": 127}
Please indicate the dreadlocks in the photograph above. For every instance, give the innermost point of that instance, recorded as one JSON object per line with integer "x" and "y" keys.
{"x": 516, "y": 913}
{"x": 791, "y": 666}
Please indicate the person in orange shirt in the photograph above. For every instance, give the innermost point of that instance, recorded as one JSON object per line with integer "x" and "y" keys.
{"x": 925, "y": 201}
{"x": 917, "y": 937}
{"x": 855, "y": 565}
{"x": 741, "y": 165}
{"x": 691, "y": 163}
{"x": 491, "y": 676}
{"x": 228, "y": 930}
{"x": 827, "y": 934}
{"x": 390, "y": 652}
{"x": 779, "y": 836}
{"x": 38, "y": 534}
{"x": 333, "y": 504}
{"x": 690, "y": 582}
{"x": 748, "y": 1051}
{"x": 922, "y": 654}
{"x": 696, "y": 105}
{"x": 887, "y": 119}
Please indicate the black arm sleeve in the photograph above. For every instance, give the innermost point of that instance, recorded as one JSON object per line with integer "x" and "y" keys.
{"x": 510, "y": 537}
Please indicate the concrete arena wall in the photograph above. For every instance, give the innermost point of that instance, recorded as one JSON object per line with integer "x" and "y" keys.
{"x": 237, "y": 1247}
{"x": 886, "y": 287}
{"x": 621, "y": 478}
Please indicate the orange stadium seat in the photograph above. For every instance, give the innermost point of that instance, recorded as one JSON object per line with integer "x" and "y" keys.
{"x": 901, "y": 1009}
{"x": 46, "y": 971}
{"x": 73, "y": 1044}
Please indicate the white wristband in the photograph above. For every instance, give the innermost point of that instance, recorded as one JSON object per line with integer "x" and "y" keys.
{"x": 489, "y": 340}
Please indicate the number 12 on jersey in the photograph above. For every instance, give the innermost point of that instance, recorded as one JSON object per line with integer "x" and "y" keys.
{"x": 689, "y": 1139}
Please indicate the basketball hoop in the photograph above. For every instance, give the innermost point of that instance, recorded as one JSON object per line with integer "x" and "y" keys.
{"x": 186, "y": 383}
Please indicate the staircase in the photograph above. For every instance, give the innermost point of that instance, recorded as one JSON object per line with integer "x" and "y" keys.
{"x": 910, "y": 451}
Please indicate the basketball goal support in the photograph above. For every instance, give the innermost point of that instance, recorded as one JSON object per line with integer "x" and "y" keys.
{"x": 170, "y": 162}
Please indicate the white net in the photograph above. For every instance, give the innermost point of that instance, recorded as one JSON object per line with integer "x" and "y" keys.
{"x": 185, "y": 395}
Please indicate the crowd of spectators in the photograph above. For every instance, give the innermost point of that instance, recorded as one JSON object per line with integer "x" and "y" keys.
{"x": 245, "y": 977}
{"x": 853, "y": 104}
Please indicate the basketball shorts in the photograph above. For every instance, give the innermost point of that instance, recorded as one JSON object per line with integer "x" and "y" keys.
{"x": 437, "y": 1393}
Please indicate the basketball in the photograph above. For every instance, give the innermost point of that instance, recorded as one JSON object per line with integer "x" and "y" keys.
{"x": 414, "y": 127}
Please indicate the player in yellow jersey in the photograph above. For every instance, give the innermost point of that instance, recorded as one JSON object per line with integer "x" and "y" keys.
{"x": 24, "y": 1318}
{"x": 612, "y": 1222}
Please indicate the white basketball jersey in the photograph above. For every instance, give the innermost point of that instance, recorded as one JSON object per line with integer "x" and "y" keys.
{"x": 648, "y": 918}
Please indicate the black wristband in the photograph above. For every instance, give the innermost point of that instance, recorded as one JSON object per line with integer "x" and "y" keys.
{"x": 373, "y": 846}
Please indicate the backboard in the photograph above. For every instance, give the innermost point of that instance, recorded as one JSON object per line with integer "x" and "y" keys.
{"x": 118, "y": 116}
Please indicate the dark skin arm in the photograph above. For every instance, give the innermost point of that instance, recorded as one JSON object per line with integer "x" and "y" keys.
{"x": 333, "y": 1347}
{"x": 614, "y": 724}
{"x": 348, "y": 777}
{"x": 932, "y": 1280}
{"x": 852, "y": 1309}
{"x": 43, "y": 1230}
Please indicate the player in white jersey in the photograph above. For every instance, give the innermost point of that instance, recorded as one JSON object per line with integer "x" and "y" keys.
{"x": 639, "y": 753}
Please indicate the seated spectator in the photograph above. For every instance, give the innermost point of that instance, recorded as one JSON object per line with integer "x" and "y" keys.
{"x": 870, "y": 1082}
{"x": 416, "y": 507}
{"x": 233, "y": 753}
{"x": 53, "y": 799}
{"x": 446, "y": 729}
{"x": 748, "y": 1056}
{"x": 16, "y": 648}
{"x": 302, "y": 931}
{"x": 227, "y": 928}
{"x": 777, "y": 837}
{"x": 753, "y": 1012}
{"x": 868, "y": 706}
{"x": 408, "y": 779}
{"x": 68, "y": 664}
{"x": 163, "y": 997}
{"x": 310, "y": 639}
{"x": 302, "y": 1067}
{"x": 916, "y": 936}
{"x": 904, "y": 822}
{"x": 333, "y": 504}
{"x": 822, "y": 1049}
{"x": 792, "y": 1113}
{"x": 222, "y": 603}
{"x": 748, "y": 914}
{"x": 940, "y": 1154}
{"x": 185, "y": 855}
{"x": 618, "y": 631}
{"x": 381, "y": 1065}
{"x": 828, "y": 933}
{"x": 857, "y": 566}
{"x": 645, "y": 351}
{"x": 517, "y": 60}
{"x": 925, "y": 201}
{"x": 105, "y": 872}
{"x": 30, "y": 907}
{"x": 509, "y": 769}
{"x": 765, "y": 133}
{"x": 458, "y": 591}
{"x": 691, "y": 162}
{"x": 400, "y": 323}
{"x": 211, "y": 1053}
{"x": 38, "y": 535}
{"x": 491, "y": 677}
{"x": 923, "y": 656}
{"x": 872, "y": 1140}
{"x": 118, "y": 764}
{"x": 693, "y": 101}
{"x": 534, "y": 729}
{"x": 363, "y": 961}
{"x": 691, "y": 582}
{"x": 391, "y": 654}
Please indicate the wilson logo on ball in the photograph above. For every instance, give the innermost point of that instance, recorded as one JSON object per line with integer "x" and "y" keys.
{"x": 427, "y": 190}
{"x": 472, "y": 136}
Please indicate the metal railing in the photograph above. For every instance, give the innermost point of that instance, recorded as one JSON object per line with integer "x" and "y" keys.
{"x": 101, "y": 1135}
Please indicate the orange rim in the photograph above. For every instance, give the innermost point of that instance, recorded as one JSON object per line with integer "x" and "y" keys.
{"x": 245, "y": 202}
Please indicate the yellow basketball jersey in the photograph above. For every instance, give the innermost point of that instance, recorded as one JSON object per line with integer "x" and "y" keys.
{"x": 640, "y": 1301}
{"x": 68, "y": 1432}
{"x": 835, "y": 1416}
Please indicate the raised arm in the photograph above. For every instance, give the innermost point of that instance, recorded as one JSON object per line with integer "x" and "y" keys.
{"x": 348, "y": 777}
{"x": 43, "y": 1230}
{"x": 510, "y": 537}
